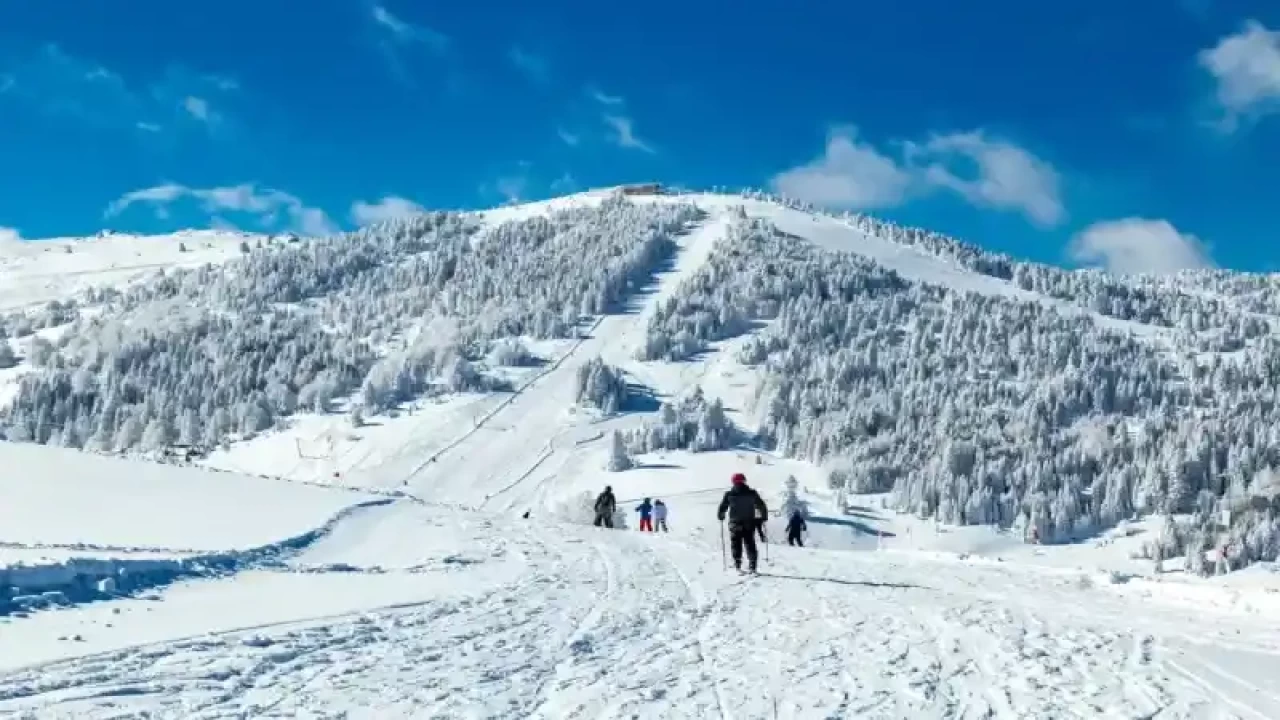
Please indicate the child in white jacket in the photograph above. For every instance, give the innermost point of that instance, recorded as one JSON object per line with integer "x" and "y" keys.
{"x": 659, "y": 515}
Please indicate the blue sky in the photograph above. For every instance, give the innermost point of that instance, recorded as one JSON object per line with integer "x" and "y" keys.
{"x": 1141, "y": 135}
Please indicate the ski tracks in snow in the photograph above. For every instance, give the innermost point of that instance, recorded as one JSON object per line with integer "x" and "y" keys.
{"x": 574, "y": 622}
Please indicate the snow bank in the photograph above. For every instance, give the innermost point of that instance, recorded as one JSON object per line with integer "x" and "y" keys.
{"x": 57, "y": 498}
{"x": 26, "y": 587}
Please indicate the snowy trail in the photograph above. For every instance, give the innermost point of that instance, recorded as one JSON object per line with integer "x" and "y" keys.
{"x": 508, "y": 461}
{"x": 548, "y": 621}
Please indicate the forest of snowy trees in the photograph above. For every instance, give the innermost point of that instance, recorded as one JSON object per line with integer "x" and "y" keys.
{"x": 971, "y": 408}
{"x": 385, "y": 314}
{"x": 690, "y": 423}
{"x": 1221, "y": 307}
{"x": 980, "y": 409}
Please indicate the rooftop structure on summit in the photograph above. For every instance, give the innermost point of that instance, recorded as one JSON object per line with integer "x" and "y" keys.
{"x": 643, "y": 189}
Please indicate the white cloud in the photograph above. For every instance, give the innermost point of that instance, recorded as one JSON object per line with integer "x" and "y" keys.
{"x": 405, "y": 32}
{"x": 564, "y": 185}
{"x": 1246, "y": 66}
{"x": 388, "y": 208}
{"x": 570, "y": 139}
{"x": 198, "y": 108}
{"x": 57, "y": 84}
{"x": 1007, "y": 176}
{"x": 856, "y": 175}
{"x": 1137, "y": 245}
{"x": 624, "y": 133}
{"x": 264, "y": 204}
{"x": 512, "y": 187}
{"x": 848, "y": 175}
{"x": 535, "y": 67}
{"x": 54, "y": 83}
{"x": 398, "y": 34}
{"x": 223, "y": 82}
{"x": 9, "y": 235}
{"x": 159, "y": 196}
{"x": 603, "y": 98}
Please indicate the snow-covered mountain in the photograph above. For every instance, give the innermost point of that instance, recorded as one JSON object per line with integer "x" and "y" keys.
{"x": 998, "y": 457}
{"x": 968, "y": 385}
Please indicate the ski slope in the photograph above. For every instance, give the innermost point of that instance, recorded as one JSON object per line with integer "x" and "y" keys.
{"x": 427, "y": 592}
{"x": 37, "y": 271}
{"x": 440, "y": 612}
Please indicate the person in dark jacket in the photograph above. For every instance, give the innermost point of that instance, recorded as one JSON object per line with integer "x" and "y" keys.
{"x": 606, "y": 505}
{"x": 743, "y": 507}
{"x": 795, "y": 528}
{"x": 646, "y": 515}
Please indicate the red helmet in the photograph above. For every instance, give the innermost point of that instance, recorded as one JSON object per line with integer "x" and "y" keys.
{"x": 739, "y": 479}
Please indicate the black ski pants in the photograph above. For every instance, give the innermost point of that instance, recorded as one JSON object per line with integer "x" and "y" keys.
{"x": 604, "y": 519}
{"x": 794, "y": 537}
{"x": 740, "y": 536}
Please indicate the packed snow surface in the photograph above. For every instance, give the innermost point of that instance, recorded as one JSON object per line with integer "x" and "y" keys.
{"x": 52, "y": 497}
{"x": 428, "y": 611}
{"x": 479, "y": 591}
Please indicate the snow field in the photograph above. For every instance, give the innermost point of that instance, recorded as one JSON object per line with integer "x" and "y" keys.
{"x": 33, "y": 272}
{"x": 58, "y": 498}
{"x": 543, "y": 620}
{"x": 76, "y": 526}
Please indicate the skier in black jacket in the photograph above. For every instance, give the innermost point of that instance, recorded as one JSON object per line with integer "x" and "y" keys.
{"x": 744, "y": 507}
{"x": 606, "y": 506}
{"x": 795, "y": 527}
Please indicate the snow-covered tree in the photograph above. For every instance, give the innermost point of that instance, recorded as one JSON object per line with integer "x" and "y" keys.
{"x": 511, "y": 352}
{"x": 601, "y": 386}
{"x": 619, "y": 458}
{"x": 694, "y": 423}
{"x": 791, "y": 503}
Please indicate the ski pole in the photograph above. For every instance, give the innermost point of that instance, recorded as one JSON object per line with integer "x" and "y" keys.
{"x": 724, "y": 560}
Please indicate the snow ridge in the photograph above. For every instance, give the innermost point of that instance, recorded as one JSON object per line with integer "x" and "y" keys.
{"x": 112, "y": 573}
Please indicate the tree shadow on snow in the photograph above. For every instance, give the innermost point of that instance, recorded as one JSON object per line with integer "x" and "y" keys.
{"x": 837, "y": 581}
{"x": 640, "y": 398}
{"x": 638, "y": 298}
{"x": 855, "y": 524}
{"x": 750, "y": 327}
{"x": 658, "y": 466}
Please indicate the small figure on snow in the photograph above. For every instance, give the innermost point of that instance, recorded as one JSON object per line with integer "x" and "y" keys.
{"x": 606, "y": 505}
{"x": 744, "y": 508}
{"x": 646, "y": 515}
{"x": 660, "y": 515}
{"x": 796, "y": 526}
